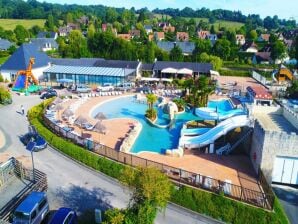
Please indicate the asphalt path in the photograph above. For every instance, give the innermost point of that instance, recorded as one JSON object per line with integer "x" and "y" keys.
{"x": 71, "y": 184}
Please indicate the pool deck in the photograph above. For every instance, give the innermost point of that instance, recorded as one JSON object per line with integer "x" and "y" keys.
{"x": 238, "y": 169}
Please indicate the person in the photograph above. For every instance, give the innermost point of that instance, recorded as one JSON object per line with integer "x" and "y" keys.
{"x": 22, "y": 109}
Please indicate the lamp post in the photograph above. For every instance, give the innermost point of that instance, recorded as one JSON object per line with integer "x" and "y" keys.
{"x": 30, "y": 147}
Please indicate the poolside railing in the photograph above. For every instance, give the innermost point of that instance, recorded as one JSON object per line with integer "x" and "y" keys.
{"x": 178, "y": 176}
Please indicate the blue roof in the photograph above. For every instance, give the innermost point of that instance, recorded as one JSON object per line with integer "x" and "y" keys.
{"x": 46, "y": 35}
{"x": 30, "y": 201}
{"x": 86, "y": 62}
{"x": 5, "y": 44}
{"x": 20, "y": 58}
{"x": 44, "y": 43}
{"x": 60, "y": 215}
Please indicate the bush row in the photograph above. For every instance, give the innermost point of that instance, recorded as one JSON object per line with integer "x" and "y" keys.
{"x": 212, "y": 205}
{"x": 239, "y": 73}
{"x": 225, "y": 209}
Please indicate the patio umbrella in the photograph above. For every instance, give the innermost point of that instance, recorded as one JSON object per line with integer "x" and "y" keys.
{"x": 80, "y": 121}
{"x": 100, "y": 128}
{"x": 100, "y": 116}
{"x": 58, "y": 100}
{"x": 68, "y": 113}
{"x": 58, "y": 107}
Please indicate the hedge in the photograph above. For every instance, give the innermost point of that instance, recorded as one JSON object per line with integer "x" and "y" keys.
{"x": 239, "y": 73}
{"x": 216, "y": 206}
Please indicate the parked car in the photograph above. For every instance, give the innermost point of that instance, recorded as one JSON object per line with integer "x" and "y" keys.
{"x": 45, "y": 90}
{"x": 48, "y": 94}
{"x": 105, "y": 87}
{"x": 82, "y": 89}
{"x": 40, "y": 143}
{"x": 126, "y": 86}
{"x": 32, "y": 210}
{"x": 64, "y": 216}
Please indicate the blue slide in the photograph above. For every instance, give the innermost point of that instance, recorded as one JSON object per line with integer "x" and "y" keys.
{"x": 193, "y": 131}
{"x": 20, "y": 83}
{"x": 192, "y": 142}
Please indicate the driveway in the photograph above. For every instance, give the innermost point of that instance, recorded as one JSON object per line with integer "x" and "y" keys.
{"x": 69, "y": 183}
{"x": 288, "y": 196}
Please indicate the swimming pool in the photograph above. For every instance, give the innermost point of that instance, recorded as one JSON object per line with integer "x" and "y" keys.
{"x": 151, "y": 138}
{"x": 221, "y": 105}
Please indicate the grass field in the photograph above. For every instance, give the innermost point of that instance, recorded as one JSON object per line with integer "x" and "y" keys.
{"x": 10, "y": 24}
{"x": 217, "y": 24}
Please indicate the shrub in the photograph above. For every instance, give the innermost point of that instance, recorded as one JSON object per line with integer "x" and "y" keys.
{"x": 239, "y": 73}
{"x": 1, "y": 78}
{"x": 5, "y": 96}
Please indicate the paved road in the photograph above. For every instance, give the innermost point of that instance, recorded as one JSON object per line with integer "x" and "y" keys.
{"x": 71, "y": 184}
{"x": 288, "y": 197}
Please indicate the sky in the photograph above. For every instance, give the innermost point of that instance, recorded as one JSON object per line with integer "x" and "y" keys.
{"x": 284, "y": 9}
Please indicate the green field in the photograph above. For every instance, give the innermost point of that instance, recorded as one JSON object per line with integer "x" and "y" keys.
{"x": 221, "y": 23}
{"x": 10, "y": 24}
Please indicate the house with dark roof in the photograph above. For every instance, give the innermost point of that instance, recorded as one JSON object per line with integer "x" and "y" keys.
{"x": 203, "y": 34}
{"x": 124, "y": 36}
{"x": 86, "y": 62}
{"x": 249, "y": 47}
{"x": 43, "y": 34}
{"x": 5, "y": 44}
{"x": 45, "y": 44}
{"x": 134, "y": 33}
{"x": 264, "y": 37}
{"x": 84, "y": 20}
{"x": 290, "y": 34}
{"x": 147, "y": 69}
{"x": 64, "y": 31}
{"x": 262, "y": 58}
{"x": 19, "y": 60}
{"x": 170, "y": 69}
{"x": 186, "y": 47}
{"x": 213, "y": 38}
{"x": 148, "y": 29}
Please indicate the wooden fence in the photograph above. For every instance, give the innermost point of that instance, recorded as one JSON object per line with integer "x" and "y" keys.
{"x": 178, "y": 176}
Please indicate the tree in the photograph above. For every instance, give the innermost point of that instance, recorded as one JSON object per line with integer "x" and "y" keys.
{"x": 278, "y": 50}
{"x": 252, "y": 35}
{"x": 77, "y": 47}
{"x": 69, "y": 18}
{"x": 151, "y": 112}
{"x": 149, "y": 52}
{"x": 91, "y": 31}
{"x": 222, "y": 48}
{"x": 21, "y": 34}
{"x": 35, "y": 30}
{"x": 50, "y": 24}
{"x": 212, "y": 30}
{"x": 111, "y": 15}
{"x": 5, "y": 95}
{"x": 151, "y": 191}
{"x": 293, "y": 89}
{"x": 214, "y": 60}
{"x": 176, "y": 54}
{"x": 201, "y": 46}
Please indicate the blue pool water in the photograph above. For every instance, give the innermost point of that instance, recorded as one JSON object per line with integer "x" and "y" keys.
{"x": 221, "y": 105}
{"x": 151, "y": 138}
{"x": 294, "y": 101}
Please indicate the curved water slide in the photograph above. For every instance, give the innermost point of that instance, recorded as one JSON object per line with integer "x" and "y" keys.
{"x": 210, "y": 136}
{"x": 208, "y": 113}
{"x": 193, "y": 131}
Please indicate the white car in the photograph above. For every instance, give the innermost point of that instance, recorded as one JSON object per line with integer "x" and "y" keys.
{"x": 126, "y": 86}
{"x": 105, "y": 87}
{"x": 83, "y": 89}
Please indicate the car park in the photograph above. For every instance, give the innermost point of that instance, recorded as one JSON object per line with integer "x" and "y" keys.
{"x": 105, "y": 87}
{"x": 48, "y": 94}
{"x": 32, "y": 210}
{"x": 39, "y": 141}
{"x": 64, "y": 216}
{"x": 82, "y": 89}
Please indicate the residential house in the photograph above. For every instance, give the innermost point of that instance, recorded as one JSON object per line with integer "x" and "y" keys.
{"x": 249, "y": 47}
{"x": 203, "y": 34}
{"x": 64, "y": 31}
{"x": 49, "y": 34}
{"x": 158, "y": 36}
{"x": 264, "y": 37}
{"x": 19, "y": 60}
{"x": 45, "y": 44}
{"x": 148, "y": 29}
{"x": 134, "y": 33}
{"x": 182, "y": 36}
{"x": 84, "y": 20}
{"x": 5, "y": 44}
{"x": 186, "y": 46}
{"x": 73, "y": 26}
{"x": 289, "y": 43}
{"x": 124, "y": 36}
{"x": 104, "y": 27}
{"x": 290, "y": 34}
{"x": 151, "y": 37}
{"x": 213, "y": 38}
{"x": 262, "y": 58}
{"x": 240, "y": 39}
{"x": 166, "y": 27}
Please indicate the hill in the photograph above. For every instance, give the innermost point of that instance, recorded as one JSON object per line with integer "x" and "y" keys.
{"x": 10, "y": 24}
{"x": 221, "y": 23}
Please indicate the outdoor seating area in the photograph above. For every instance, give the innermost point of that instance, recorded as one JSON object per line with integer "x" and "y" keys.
{"x": 164, "y": 92}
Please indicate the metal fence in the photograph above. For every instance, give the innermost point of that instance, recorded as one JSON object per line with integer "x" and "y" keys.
{"x": 179, "y": 176}
{"x": 38, "y": 184}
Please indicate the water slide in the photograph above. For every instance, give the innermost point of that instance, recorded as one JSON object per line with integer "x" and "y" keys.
{"x": 193, "y": 131}
{"x": 273, "y": 75}
{"x": 209, "y": 113}
{"x": 210, "y": 136}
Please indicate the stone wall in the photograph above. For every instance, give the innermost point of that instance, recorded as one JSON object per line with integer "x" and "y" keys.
{"x": 291, "y": 116}
{"x": 266, "y": 145}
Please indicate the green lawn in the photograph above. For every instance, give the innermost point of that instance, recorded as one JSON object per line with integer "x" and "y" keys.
{"x": 10, "y": 24}
{"x": 3, "y": 59}
{"x": 221, "y": 23}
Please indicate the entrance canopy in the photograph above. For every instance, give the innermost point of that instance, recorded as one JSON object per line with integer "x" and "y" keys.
{"x": 169, "y": 70}
{"x": 184, "y": 71}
